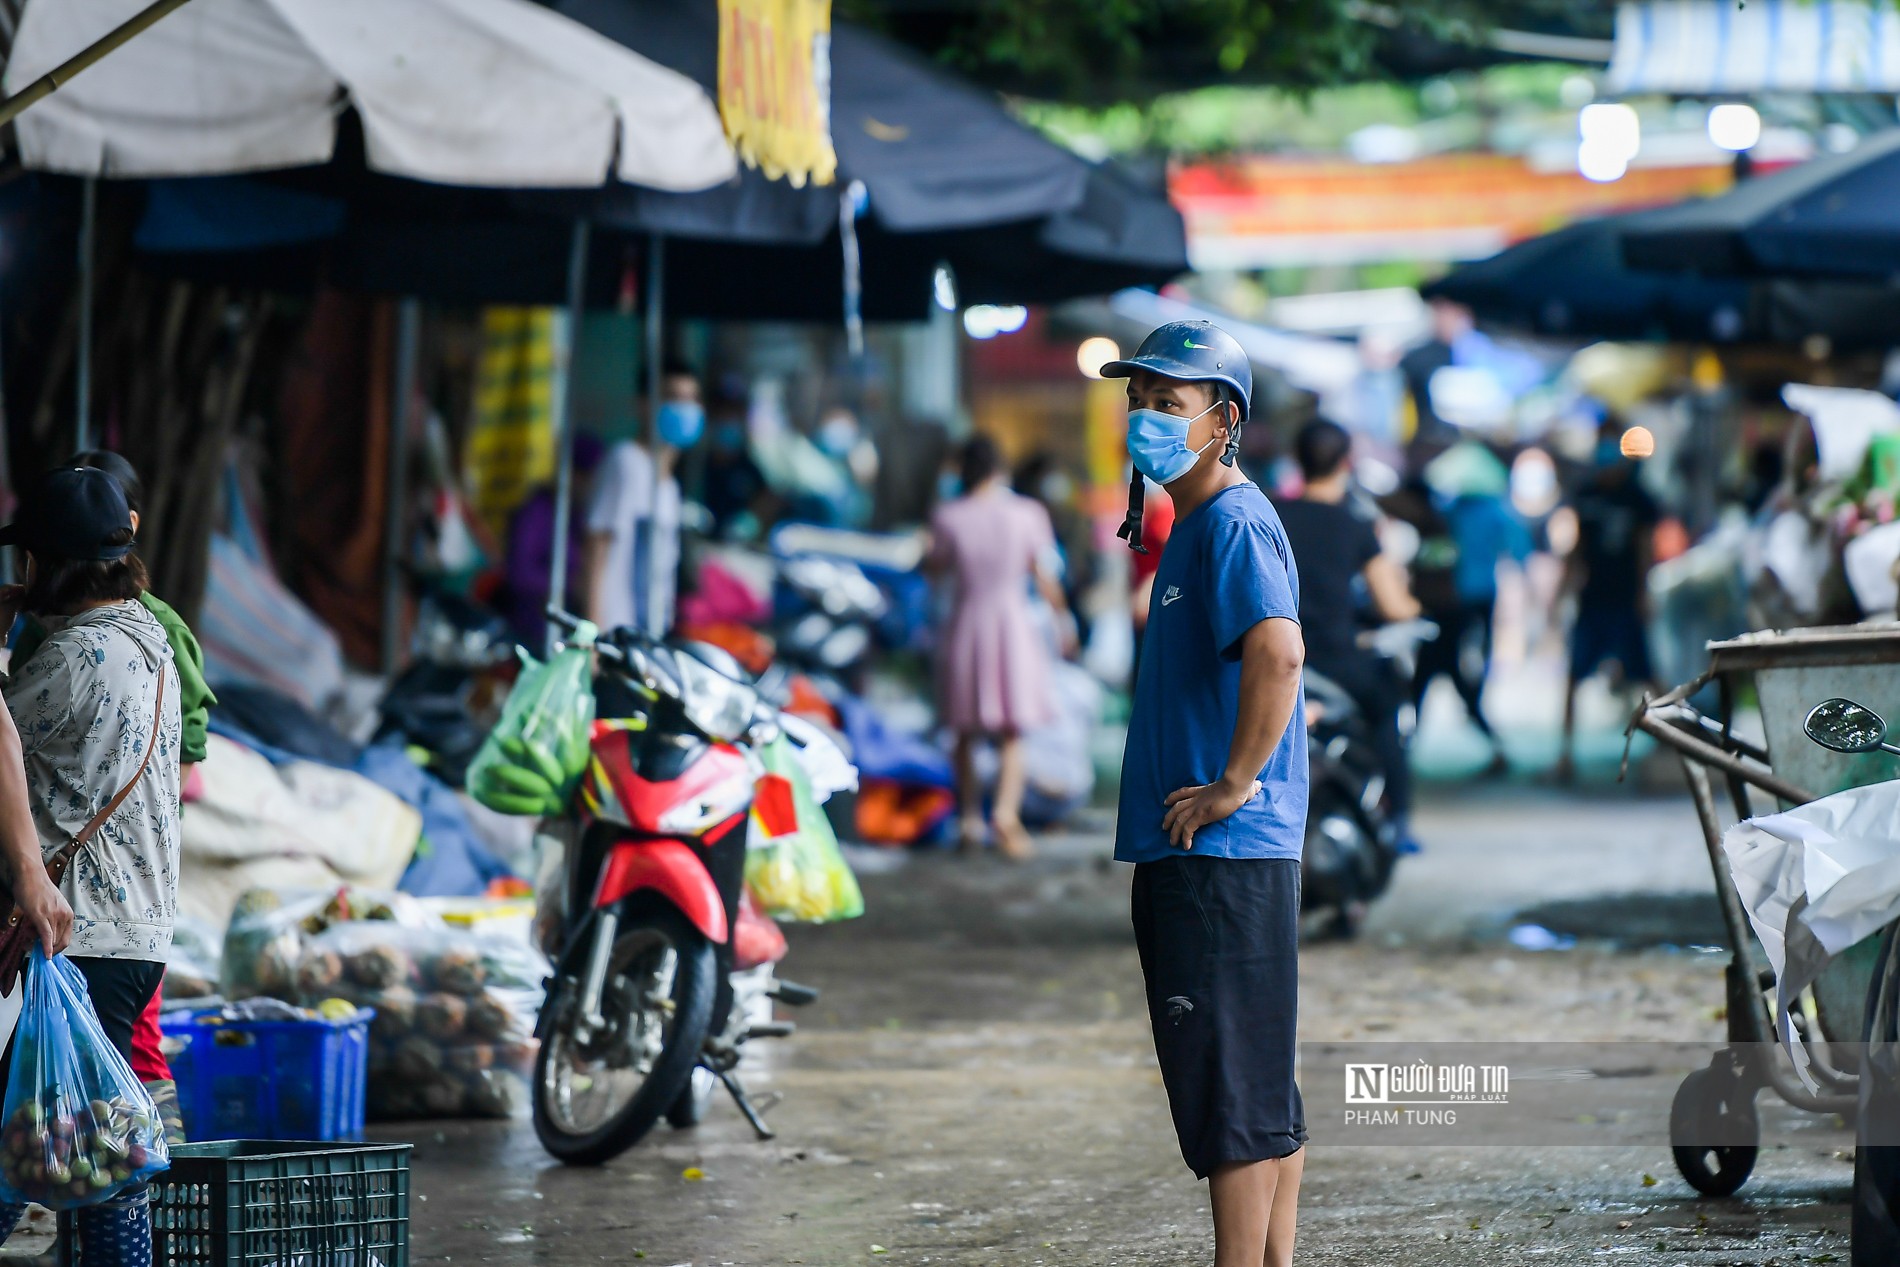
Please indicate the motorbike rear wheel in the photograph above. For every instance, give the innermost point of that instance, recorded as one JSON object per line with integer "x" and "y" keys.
{"x": 598, "y": 1094}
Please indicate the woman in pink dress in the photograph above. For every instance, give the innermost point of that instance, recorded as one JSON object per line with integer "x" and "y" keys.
{"x": 993, "y": 669}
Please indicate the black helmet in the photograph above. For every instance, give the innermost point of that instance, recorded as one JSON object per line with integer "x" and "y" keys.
{"x": 1194, "y": 352}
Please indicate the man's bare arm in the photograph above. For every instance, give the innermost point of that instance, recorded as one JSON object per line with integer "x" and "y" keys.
{"x": 1272, "y": 654}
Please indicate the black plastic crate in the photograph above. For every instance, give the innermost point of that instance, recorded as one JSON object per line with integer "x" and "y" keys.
{"x": 261, "y": 1203}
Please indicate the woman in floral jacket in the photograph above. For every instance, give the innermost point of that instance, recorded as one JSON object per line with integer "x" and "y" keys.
{"x": 88, "y": 703}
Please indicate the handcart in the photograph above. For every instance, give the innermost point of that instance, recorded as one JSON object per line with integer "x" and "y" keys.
{"x": 1789, "y": 672}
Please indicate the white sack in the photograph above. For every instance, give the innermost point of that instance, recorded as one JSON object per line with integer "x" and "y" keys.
{"x": 1815, "y": 880}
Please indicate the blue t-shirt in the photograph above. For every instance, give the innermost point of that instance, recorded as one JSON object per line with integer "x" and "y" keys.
{"x": 1227, "y": 567}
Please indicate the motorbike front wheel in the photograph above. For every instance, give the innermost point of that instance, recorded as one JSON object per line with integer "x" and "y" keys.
{"x": 599, "y": 1090}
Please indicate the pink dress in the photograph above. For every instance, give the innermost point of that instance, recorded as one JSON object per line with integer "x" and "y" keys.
{"x": 992, "y": 664}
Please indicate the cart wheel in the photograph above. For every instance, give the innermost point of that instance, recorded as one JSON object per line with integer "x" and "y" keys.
{"x": 1708, "y": 1108}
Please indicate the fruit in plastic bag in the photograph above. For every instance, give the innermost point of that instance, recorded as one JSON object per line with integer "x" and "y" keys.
{"x": 441, "y": 1016}
{"x": 801, "y": 876}
{"x": 378, "y": 967}
{"x": 78, "y": 1126}
{"x": 489, "y": 1017}
{"x": 536, "y": 753}
{"x": 319, "y": 972}
{"x": 458, "y": 970}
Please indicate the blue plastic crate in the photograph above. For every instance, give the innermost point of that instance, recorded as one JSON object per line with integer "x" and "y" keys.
{"x": 302, "y": 1080}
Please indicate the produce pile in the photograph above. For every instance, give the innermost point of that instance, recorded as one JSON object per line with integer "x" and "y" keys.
{"x": 455, "y": 1012}
{"x": 264, "y": 944}
{"x": 60, "y": 1153}
{"x": 538, "y": 750}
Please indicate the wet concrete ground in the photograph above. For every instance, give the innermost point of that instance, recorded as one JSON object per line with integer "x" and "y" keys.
{"x": 977, "y": 1085}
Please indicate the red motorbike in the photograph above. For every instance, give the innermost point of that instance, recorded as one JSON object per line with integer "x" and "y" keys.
{"x": 664, "y": 972}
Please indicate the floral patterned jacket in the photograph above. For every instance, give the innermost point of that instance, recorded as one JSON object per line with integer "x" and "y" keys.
{"x": 83, "y": 706}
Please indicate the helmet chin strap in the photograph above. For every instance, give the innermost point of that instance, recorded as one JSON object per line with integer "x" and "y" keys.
{"x": 1130, "y": 531}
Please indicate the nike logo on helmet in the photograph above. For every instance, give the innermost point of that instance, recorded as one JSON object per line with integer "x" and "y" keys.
{"x": 1201, "y": 347}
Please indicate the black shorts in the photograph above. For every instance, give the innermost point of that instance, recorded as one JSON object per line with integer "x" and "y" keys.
{"x": 1219, "y": 943}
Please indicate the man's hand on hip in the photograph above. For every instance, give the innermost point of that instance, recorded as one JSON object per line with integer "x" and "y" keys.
{"x": 1192, "y": 808}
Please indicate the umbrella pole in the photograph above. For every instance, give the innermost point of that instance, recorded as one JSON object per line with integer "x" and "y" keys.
{"x": 396, "y": 484}
{"x": 88, "y": 254}
{"x": 562, "y": 423}
{"x": 648, "y": 611}
{"x": 43, "y": 87}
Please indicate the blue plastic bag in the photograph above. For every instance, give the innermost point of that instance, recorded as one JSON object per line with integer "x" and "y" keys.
{"x": 79, "y": 1127}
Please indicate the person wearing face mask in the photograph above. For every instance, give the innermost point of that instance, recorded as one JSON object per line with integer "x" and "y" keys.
{"x": 1213, "y": 791}
{"x": 1608, "y": 571}
{"x": 632, "y": 553}
{"x": 733, "y": 482}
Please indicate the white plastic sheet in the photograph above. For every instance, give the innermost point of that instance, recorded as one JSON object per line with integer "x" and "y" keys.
{"x": 1845, "y": 421}
{"x": 1815, "y": 880}
{"x": 493, "y": 93}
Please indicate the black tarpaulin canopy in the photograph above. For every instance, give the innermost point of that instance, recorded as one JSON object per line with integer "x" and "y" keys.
{"x": 1572, "y": 283}
{"x": 1833, "y": 216}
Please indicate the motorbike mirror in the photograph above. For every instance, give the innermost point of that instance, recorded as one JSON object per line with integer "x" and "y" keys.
{"x": 1845, "y": 726}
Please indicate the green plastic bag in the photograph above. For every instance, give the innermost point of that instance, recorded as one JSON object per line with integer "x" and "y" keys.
{"x": 539, "y": 749}
{"x": 800, "y": 876}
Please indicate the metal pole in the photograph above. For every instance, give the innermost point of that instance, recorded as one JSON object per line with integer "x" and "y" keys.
{"x": 395, "y": 501}
{"x": 88, "y": 258}
{"x": 649, "y": 612}
{"x": 561, "y": 422}
{"x": 52, "y": 80}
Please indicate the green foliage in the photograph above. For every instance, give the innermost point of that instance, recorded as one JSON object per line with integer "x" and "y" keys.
{"x": 1112, "y": 51}
{"x": 1451, "y": 111}
{"x": 1117, "y": 50}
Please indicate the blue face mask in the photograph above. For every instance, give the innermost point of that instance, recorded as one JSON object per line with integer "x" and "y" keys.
{"x": 1157, "y": 443}
{"x": 948, "y": 486}
{"x": 681, "y": 423}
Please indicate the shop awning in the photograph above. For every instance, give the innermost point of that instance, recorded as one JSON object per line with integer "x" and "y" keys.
{"x": 1719, "y": 46}
{"x": 495, "y": 93}
{"x": 1266, "y": 211}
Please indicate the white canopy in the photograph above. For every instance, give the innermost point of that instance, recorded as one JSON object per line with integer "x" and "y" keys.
{"x": 1718, "y": 46}
{"x": 499, "y": 93}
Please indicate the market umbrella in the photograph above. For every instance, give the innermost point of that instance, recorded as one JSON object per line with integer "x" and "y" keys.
{"x": 489, "y": 93}
{"x": 1572, "y": 283}
{"x": 499, "y": 93}
{"x": 1837, "y": 215}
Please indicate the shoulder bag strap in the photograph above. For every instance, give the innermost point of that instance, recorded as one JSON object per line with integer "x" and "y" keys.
{"x": 57, "y": 864}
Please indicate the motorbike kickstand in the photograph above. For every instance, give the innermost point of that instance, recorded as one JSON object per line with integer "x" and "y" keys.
{"x": 739, "y": 1097}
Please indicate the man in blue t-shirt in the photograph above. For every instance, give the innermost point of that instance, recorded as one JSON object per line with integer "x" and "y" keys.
{"x": 1213, "y": 792}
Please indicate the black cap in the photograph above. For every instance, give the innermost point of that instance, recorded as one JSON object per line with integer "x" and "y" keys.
{"x": 72, "y": 513}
